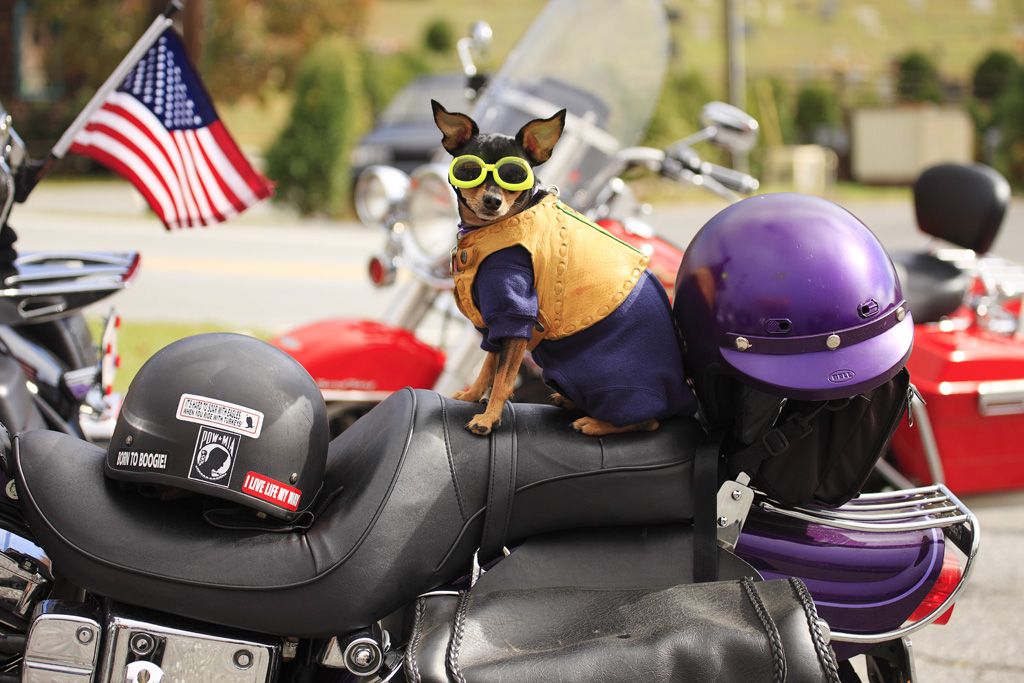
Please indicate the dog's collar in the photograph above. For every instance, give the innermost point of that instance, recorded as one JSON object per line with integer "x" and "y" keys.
{"x": 538, "y": 194}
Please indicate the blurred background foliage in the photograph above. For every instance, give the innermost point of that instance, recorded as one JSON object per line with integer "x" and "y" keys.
{"x": 312, "y": 75}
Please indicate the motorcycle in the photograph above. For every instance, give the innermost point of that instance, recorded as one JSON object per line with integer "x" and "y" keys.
{"x": 422, "y": 341}
{"x": 967, "y": 353}
{"x": 166, "y": 594}
{"x": 53, "y": 374}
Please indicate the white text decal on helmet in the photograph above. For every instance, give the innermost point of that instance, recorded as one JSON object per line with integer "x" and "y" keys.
{"x": 216, "y": 413}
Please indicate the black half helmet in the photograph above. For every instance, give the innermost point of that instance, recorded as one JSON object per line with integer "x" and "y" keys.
{"x": 228, "y": 416}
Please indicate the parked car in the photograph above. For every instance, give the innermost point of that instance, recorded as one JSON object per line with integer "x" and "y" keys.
{"x": 405, "y": 135}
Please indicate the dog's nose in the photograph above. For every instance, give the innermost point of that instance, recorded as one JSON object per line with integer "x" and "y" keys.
{"x": 492, "y": 202}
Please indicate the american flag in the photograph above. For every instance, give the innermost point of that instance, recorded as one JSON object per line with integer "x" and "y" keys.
{"x": 159, "y": 129}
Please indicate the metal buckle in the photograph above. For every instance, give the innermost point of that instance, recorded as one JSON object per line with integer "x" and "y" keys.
{"x": 926, "y": 507}
{"x": 734, "y": 501}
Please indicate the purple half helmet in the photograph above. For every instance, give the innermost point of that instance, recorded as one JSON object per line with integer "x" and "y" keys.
{"x": 792, "y": 295}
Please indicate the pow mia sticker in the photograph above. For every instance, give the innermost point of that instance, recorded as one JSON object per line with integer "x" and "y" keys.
{"x": 221, "y": 414}
{"x": 214, "y": 457}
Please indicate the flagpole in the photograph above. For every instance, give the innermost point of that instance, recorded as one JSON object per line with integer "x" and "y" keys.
{"x": 34, "y": 171}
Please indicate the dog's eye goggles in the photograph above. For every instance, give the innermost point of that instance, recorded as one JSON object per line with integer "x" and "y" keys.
{"x": 512, "y": 173}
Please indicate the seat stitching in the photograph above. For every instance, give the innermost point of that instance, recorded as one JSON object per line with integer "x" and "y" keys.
{"x": 450, "y": 456}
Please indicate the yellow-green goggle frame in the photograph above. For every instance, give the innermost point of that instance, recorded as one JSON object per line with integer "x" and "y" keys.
{"x": 494, "y": 169}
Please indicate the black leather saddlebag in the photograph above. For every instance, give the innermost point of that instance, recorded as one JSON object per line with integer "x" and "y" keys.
{"x": 517, "y": 624}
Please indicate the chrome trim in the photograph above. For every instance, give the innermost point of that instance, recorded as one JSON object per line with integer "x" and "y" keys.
{"x": 937, "y": 508}
{"x": 187, "y": 655}
{"x": 23, "y": 583}
{"x": 1005, "y": 397}
{"x": 919, "y": 411}
{"x": 64, "y": 638}
{"x": 353, "y": 396}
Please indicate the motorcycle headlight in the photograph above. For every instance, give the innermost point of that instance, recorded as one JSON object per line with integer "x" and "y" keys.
{"x": 379, "y": 190}
{"x": 433, "y": 211}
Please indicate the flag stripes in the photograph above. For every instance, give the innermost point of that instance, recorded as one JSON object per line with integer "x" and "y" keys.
{"x": 160, "y": 131}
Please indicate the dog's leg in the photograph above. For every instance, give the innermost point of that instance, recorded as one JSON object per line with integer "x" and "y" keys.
{"x": 509, "y": 359}
{"x": 594, "y": 427}
{"x": 475, "y": 391}
{"x": 558, "y": 399}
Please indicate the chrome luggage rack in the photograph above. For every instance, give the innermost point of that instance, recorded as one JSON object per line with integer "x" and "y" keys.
{"x": 927, "y": 507}
{"x": 49, "y": 284}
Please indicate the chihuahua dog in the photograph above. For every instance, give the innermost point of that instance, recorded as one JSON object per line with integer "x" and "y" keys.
{"x": 532, "y": 274}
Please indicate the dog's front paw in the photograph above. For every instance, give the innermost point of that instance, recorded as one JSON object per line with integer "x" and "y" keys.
{"x": 468, "y": 395}
{"x": 482, "y": 424}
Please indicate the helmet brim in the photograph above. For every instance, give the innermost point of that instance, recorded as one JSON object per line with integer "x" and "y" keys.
{"x": 827, "y": 375}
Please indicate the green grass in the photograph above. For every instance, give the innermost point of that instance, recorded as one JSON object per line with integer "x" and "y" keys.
{"x": 137, "y": 341}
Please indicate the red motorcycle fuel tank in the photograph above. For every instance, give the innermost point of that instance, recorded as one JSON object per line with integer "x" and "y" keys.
{"x": 973, "y": 383}
{"x": 362, "y": 356}
{"x": 665, "y": 256}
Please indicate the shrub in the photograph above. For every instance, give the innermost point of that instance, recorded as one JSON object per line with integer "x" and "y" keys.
{"x": 439, "y": 36}
{"x": 385, "y": 74}
{"x": 816, "y": 107}
{"x": 917, "y": 79}
{"x": 309, "y": 160}
{"x": 994, "y": 75}
{"x": 1008, "y": 116}
{"x": 678, "y": 111}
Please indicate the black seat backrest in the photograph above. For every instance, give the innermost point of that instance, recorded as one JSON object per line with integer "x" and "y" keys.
{"x": 961, "y": 203}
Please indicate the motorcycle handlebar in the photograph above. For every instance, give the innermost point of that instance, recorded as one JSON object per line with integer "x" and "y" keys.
{"x": 734, "y": 180}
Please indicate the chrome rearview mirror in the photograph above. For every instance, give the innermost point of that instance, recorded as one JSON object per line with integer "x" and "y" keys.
{"x": 482, "y": 36}
{"x": 477, "y": 43}
{"x": 734, "y": 129}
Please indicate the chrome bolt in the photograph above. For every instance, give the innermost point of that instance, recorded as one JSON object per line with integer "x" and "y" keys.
{"x": 363, "y": 657}
{"x": 833, "y": 342}
{"x": 129, "y": 440}
{"x": 901, "y": 313}
{"x": 142, "y": 644}
{"x": 742, "y": 343}
{"x": 243, "y": 659}
{"x": 294, "y": 478}
{"x": 11, "y": 490}
{"x": 723, "y": 521}
{"x": 736, "y": 494}
{"x": 84, "y": 635}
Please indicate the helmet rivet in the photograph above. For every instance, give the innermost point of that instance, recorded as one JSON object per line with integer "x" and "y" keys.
{"x": 901, "y": 313}
{"x": 833, "y": 342}
{"x": 129, "y": 440}
{"x": 294, "y": 478}
{"x": 742, "y": 343}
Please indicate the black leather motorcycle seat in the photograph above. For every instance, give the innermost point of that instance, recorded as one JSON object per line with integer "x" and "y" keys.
{"x": 933, "y": 288}
{"x": 405, "y": 499}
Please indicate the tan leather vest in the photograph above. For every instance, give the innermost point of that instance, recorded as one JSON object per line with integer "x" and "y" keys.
{"x": 581, "y": 272}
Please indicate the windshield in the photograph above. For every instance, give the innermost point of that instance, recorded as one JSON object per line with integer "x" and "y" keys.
{"x": 604, "y": 61}
{"x": 407, "y": 107}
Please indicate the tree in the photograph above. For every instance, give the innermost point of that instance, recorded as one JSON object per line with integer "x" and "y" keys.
{"x": 917, "y": 78}
{"x": 310, "y": 160}
{"x": 994, "y": 75}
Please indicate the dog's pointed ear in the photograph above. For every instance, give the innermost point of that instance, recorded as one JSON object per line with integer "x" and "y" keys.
{"x": 456, "y": 128}
{"x": 538, "y": 137}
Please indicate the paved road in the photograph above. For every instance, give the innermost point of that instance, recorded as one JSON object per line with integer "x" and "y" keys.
{"x": 270, "y": 270}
